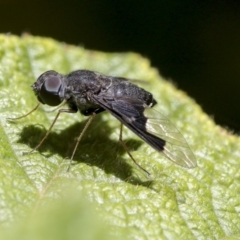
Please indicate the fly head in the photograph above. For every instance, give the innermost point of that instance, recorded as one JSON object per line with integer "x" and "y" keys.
{"x": 49, "y": 88}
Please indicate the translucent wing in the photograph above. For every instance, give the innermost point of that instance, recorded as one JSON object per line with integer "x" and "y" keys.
{"x": 152, "y": 127}
{"x": 176, "y": 147}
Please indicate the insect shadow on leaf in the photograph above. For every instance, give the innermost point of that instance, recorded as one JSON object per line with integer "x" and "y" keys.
{"x": 96, "y": 148}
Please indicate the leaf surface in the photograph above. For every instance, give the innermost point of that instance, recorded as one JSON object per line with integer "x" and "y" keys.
{"x": 174, "y": 203}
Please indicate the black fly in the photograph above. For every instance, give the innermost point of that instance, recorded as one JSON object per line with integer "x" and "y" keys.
{"x": 92, "y": 93}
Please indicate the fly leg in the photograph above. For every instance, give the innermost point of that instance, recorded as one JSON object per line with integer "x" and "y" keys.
{"x": 49, "y": 130}
{"x": 128, "y": 152}
{"x": 79, "y": 138}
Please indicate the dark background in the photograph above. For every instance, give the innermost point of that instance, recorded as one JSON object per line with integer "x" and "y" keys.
{"x": 194, "y": 43}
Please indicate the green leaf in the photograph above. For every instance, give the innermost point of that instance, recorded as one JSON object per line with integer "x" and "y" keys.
{"x": 68, "y": 217}
{"x": 111, "y": 196}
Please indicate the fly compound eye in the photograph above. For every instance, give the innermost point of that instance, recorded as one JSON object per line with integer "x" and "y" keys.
{"x": 49, "y": 92}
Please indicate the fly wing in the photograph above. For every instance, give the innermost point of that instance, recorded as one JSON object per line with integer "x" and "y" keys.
{"x": 152, "y": 127}
{"x": 176, "y": 148}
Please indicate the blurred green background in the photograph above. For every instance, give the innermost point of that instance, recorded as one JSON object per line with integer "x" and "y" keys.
{"x": 196, "y": 44}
